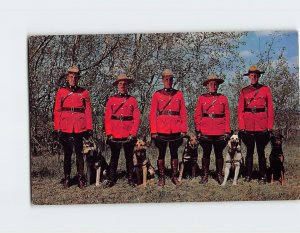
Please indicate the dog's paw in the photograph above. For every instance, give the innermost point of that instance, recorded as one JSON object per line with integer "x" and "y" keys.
{"x": 234, "y": 183}
{"x": 223, "y": 184}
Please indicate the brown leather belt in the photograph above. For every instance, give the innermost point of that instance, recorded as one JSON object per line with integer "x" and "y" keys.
{"x": 73, "y": 109}
{"x": 122, "y": 118}
{"x": 254, "y": 110}
{"x": 212, "y": 115}
{"x": 173, "y": 113}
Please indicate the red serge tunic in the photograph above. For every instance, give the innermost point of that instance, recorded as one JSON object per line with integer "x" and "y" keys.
{"x": 212, "y": 115}
{"x": 167, "y": 112}
{"x": 72, "y": 110}
{"x": 255, "y": 108}
{"x": 123, "y": 121}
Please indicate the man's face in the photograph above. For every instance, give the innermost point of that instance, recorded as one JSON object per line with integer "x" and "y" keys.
{"x": 213, "y": 86}
{"x": 253, "y": 78}
{"x": 167, "y": 81}
{"x": 72, "y": 79}
{"x": 123, "y": 87}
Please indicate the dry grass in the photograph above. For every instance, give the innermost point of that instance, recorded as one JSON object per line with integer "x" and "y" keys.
{"x": 46, "y": 173}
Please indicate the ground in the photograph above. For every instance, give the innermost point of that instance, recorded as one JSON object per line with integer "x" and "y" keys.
{"x": 46, "y": 175}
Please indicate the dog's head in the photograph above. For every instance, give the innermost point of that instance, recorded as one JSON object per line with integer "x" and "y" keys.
{"x": 193, "y": 142}
{"x": 276, "y": 139}
{"x": 88, "y": 146}
{"x": 140, "y": 147}
{"x": 234, "y": 142}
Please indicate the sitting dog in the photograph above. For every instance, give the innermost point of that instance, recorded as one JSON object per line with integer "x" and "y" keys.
{"x": 233, "y": 159}
{"x": 277, "y": 158}
{"x": 94, "y": 160}
{"x": 189, "y": 157}
{"x": 142, "y": 164}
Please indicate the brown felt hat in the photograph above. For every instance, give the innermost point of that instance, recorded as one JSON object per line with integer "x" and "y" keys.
{"x": 74, "y": 69}
{"x": 122, "y": 77}
{"x": 212, "y": 78}
{"x": 254, "y": 69}
{"x": 167, "y": 72}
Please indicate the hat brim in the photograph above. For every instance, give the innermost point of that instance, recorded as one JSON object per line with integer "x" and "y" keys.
{"x": 129, "y": 80}
{"x": 77, "y": 75}
{"x": 257, "y": 72}
{"x": 219, "y": 81}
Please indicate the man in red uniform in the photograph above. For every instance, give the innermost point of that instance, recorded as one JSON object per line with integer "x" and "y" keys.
{"x": 122, "y": 119}
{"x": 168, "y": 124}
{"x": 212, "y": 122}
{"x": 73, "y": 121}
{"x": 255, "y": 118}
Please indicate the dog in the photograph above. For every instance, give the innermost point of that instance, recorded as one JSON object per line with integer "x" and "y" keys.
{"x": 189, "y": 157}
{"x": 277, "y": 158}
{"x": 233, "y": 159}
{"x": 142, "y": 165}
{"x": 94, "y": 161}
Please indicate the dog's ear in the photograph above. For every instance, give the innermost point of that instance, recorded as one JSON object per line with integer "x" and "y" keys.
{"x": 144, "y": 138}
{"x": 84, "y": 140}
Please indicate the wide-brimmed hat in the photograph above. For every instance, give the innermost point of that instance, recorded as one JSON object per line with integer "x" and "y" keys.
{"x": 254, "y": 69}
{"x": 167, "y": 72}
{"x": 212, "y": 78}
{"x": 74, "y": 69}
{"x": 122, "y": 77}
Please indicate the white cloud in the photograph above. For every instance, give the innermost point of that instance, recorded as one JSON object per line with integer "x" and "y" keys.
{"x": 263, "y": 33}
{"x": 246, "y": 53}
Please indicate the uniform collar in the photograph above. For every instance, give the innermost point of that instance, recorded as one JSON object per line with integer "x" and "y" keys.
{"x": 168, "y": 89}
{"x": 72, "y": 88}
{"x": 256, "y": 85}
{"x": 213, "y": 93}
{"x": 122, "y": 94}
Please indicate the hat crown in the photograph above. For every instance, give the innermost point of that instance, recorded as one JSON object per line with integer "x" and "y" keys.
{"x": 73, "y": 69}
{"x": 167, "y": 72}
{"x": 213, "y": 77}
{"x": 122, "y": 77}
{"x": 253, "y": 68}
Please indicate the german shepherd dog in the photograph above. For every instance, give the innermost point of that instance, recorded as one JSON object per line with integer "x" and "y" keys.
{"x": 94, "y": 161}
{"x": 233, "y": 159}
{"x": 277, "y": 158}
{"x": 189, "y": 158}
{"x": 142, "y": 164}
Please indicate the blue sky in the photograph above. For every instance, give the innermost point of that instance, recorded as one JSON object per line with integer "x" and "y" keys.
{"x": 256, "y": 41}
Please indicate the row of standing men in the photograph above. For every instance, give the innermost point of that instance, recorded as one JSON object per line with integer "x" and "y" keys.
{"x": 168, "y": 124}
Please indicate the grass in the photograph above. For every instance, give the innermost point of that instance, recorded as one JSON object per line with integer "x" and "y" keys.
{"x": 47, "y": 171}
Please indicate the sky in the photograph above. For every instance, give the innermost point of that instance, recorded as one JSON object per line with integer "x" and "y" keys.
{"x": 256, "y": 41}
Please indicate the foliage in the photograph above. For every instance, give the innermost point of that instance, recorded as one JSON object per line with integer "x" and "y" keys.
{"x": 191, "y": 56}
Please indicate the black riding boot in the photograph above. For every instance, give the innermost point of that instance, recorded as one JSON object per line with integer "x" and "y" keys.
{"x": 262, "y": 170}
{"x": 112, "y": 174}
{"x": 129, "y": 168}
{"x": 67, "y": 181}
{"x": 205, "y": 168}
{"x": 174, "y": 167}
{"x": 161, "y": 172}
{"x": 249, "y": 168}
{"x": 80, "y": 171}
{"x": 219, "y": 169}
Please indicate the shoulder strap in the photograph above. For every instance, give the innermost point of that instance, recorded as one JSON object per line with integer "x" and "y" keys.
{"x": 166, "y": 104}
{"x": 212, "y": 103}
{"x": 127, "y": 97}
{"x": 253, "y": 96}
{"x": 63, "y": 99}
